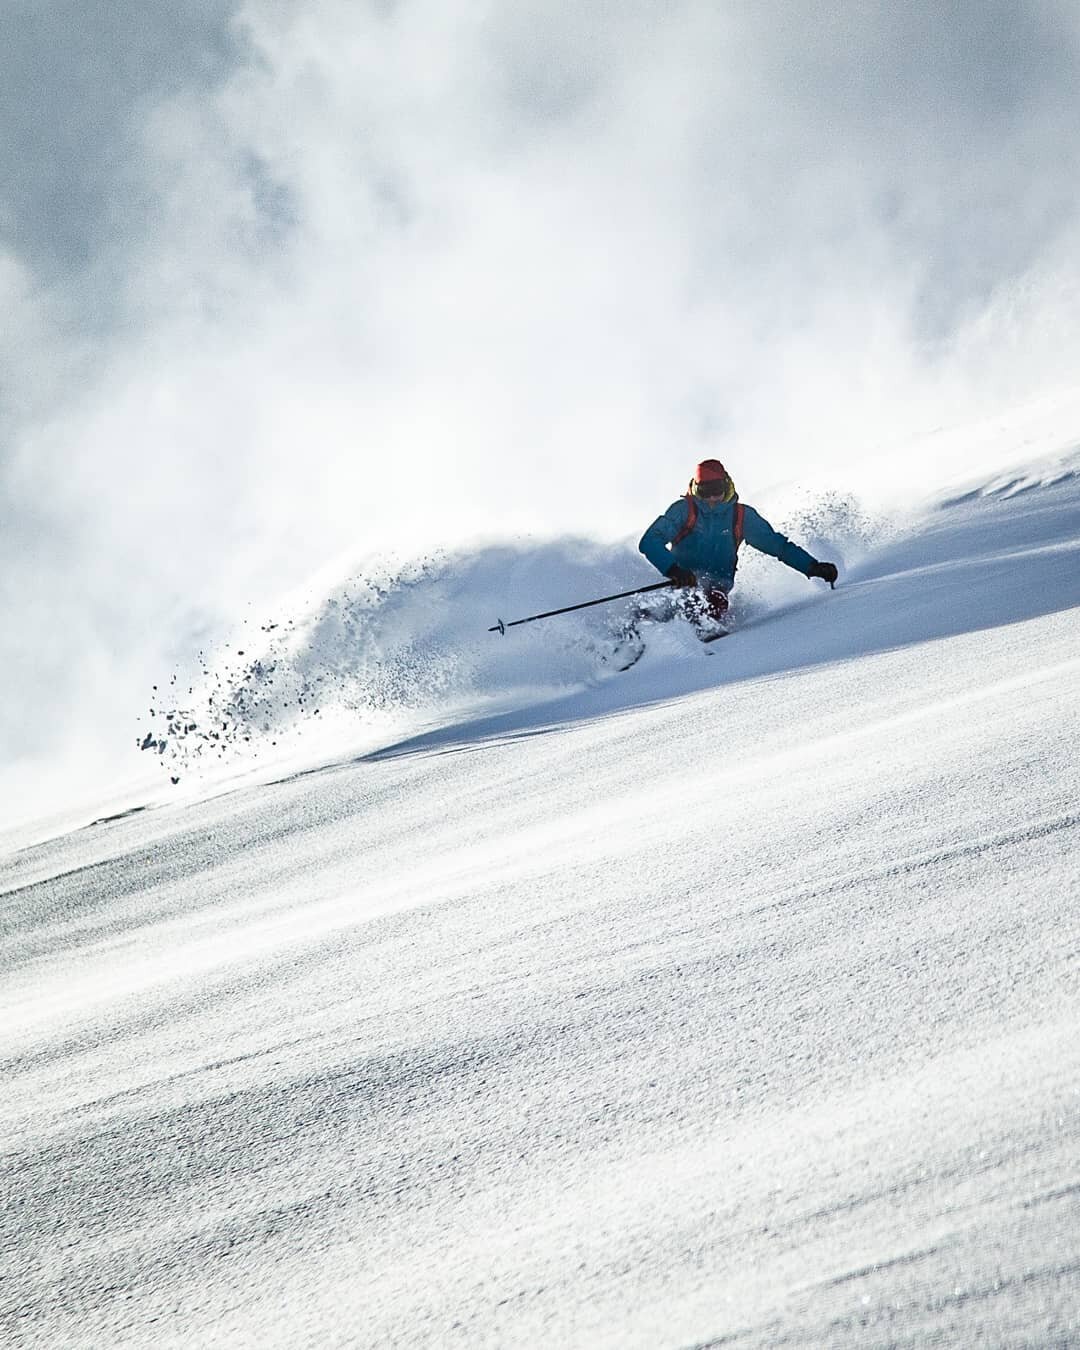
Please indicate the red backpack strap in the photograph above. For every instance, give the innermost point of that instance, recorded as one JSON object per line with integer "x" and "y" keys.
{"x": 691, "y": 519}
{"x": 737, "y": 527}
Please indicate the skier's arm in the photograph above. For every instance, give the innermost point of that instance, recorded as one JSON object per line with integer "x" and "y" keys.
{"x": 760, "y": 534}
{"x": 655, "y": 540}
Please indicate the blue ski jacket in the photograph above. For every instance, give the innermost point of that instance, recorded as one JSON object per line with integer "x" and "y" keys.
{"x": 709, "y": 550}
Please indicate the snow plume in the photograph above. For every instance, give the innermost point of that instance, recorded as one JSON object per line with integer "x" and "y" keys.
{"x": 401, "y": 645}
{"x": 409, "y": 643}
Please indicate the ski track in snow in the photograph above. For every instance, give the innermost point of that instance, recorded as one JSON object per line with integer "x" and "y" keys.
{"x": 731, "y": 1001}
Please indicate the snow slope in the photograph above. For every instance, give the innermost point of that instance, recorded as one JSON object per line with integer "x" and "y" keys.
{"x": 731, "y": 1000}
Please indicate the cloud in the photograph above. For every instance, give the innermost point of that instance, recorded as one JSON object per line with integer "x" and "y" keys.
{"x": 290, "y": 280}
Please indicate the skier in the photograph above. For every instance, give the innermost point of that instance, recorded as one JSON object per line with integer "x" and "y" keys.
{"x": 696, "y": 542}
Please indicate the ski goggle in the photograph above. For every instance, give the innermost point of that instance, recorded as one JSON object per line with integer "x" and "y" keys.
{"x": 714, "y": 488}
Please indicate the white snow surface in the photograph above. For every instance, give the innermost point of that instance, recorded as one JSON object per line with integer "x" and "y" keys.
{"x": 729, "y": 1000}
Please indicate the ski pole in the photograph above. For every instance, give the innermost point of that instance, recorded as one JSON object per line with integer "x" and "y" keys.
{"x": 501, "y": 627}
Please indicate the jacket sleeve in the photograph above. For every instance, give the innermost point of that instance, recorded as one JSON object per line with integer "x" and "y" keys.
{"x": 661, "y": 532}
{"x": 760, "y": 535}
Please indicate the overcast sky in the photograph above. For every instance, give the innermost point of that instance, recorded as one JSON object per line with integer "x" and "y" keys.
{"x": 285, "y": 280}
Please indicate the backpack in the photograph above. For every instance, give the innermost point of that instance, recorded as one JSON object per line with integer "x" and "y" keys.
{"x": 691, "y": 521}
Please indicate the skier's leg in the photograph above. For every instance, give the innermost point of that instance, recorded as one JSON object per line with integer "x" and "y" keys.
{"x": 706, "y": 610}
{"x": 716, "y": 603}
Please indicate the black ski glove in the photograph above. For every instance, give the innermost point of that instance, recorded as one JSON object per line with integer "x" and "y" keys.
{"x": 681, "y": 576}
{"x": 826, "y": 571}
